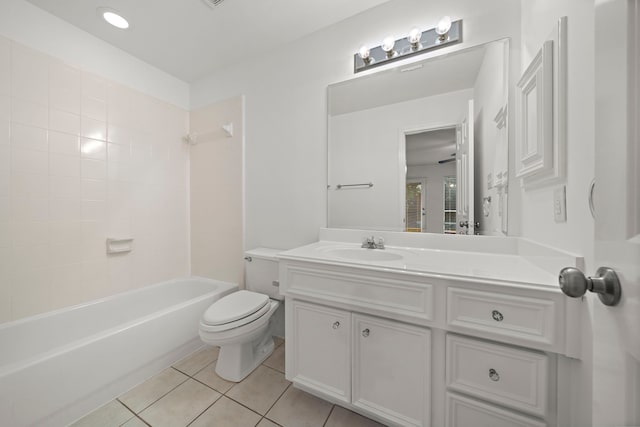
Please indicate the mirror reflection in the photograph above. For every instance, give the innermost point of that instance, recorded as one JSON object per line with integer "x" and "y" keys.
{"x": 422, "y": 147}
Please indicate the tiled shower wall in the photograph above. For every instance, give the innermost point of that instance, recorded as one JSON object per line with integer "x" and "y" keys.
{"x": 83, "y": 159}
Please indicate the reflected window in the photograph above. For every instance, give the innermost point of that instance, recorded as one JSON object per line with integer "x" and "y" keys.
{"x": 450, "y": 188}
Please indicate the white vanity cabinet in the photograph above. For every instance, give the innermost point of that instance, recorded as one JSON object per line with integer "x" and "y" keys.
{"x": 420, "y": 348}
{"x": 379, "y": 366}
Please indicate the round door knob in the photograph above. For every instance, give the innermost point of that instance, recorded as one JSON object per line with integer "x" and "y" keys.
{"x": 605, "y": 283}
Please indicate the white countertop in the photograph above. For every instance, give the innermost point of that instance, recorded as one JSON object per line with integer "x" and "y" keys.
{"x": 537, "y": 268}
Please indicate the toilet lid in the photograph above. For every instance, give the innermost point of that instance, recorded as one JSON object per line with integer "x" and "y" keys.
{"x": 235, "y": 306}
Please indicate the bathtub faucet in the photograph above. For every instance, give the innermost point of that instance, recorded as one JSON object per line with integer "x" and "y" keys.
{"x": 372, "y": 242}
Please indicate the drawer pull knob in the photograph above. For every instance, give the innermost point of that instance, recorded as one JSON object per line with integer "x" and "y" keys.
{"x": 493, "y": 375}
{"x": 336, "y": 325}
{"x": 365, "y": 333}
{"x": 497, "y": 316}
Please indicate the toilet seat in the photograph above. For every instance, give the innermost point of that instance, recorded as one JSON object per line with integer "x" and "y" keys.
{"x": 235, "y": 310}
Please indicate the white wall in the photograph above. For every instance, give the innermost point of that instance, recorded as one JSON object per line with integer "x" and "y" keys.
{"x": 286, "y": 106}
{"x": 27, "y": 24}
{"x": 377, "y": 132}
{"x": 577, "y": 234}
{"x": 217, "y": 192}
{"x": 81, "y": 159}
{"x": 491, "y": 143}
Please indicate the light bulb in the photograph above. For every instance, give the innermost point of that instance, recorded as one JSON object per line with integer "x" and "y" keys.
{"x": 114, "y": 19}
{"x": 364, "y": 53}
{"x": 443, "y": 27}
{"x": 414, "y": 37}
{"x": 387, "y": 45}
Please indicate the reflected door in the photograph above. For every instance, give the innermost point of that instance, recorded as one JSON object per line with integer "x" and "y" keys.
{"x": 415, "y": 212}
{"x": 464, "y": 172}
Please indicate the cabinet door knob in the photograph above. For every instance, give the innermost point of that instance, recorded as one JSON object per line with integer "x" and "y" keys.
{"x": 365, "y": 333}
{"x": 497, "y": 316}
{"x": 336, "y": 325}
{"x": 493, "y": 375}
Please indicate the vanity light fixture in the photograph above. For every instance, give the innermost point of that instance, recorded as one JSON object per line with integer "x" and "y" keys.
{"x": 446, "y": 33}
{"x": 113, "y": 18}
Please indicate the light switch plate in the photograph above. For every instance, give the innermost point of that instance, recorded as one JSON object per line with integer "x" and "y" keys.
{"x": 560, "y": 204}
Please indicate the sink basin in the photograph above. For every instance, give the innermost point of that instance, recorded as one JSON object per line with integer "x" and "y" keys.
{"x": 359, "y": 254}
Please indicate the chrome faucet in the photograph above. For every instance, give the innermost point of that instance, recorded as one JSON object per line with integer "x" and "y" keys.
{"x": 371, "y": 243}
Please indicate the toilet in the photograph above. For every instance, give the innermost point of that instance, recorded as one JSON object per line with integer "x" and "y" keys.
{"x": 241, "y": 323}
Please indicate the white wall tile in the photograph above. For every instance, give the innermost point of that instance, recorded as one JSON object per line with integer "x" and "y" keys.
{"x": 64, "y": 210}
{"x": 64, "y": 187}
{"x": 30, "y": 292}
{"x": 64, "y": 165}
{"x": 5, "y": 159}
{"x": 29, "y": 74}
{"x": 67, "y": 287}
{"x": 30, "y": 161}
{"x": 64, "y": 121}
{"x": 94, "y": 277}
{"x": 94, "y": 108}
{"x": 5, "y": 184}
{"x": 64, "y": 143}
{"x": 120, "y": 172}
{"x": 31, "y": 233}
{"x": 94, "y": 189}
{"x": 119, "y": 134}
{"x": 65, "y": 233}
{"x": 65, "y": 87}
{"x": 5, "y": 131}
{"x": 29, "y": 137}
{"x": 5, "y": 208}
{"x": 94, "y": 169}
{"x": 94, "y": 86}
{"x": 94, "y": 210}
{"x": 93, "y": 149}
{"x": 5, "y": 67}
{"x": 30, "y": 257}
{"x": 29, "y": 209}
{"x": 29, "y": 113}
{"x": 5, "y": 107}
{"x": 66, "y": 253}
{"x": 94, "y": 129}
{"x": 29, "y": 185}
{"x": 118, "y": 153}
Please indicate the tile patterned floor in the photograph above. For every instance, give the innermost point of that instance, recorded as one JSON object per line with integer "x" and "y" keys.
{"x": 189, "y": 393}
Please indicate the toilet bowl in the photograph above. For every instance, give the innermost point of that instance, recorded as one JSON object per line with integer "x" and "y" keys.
{"x": 241, "y": 323}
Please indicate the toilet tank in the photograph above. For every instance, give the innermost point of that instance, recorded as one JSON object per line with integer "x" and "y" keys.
{"x": 261, "y": 271}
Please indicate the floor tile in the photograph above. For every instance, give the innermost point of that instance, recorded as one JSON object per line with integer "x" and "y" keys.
{"x": 152, "y": 389}
{"x": 341, "y": 417}
{"x": 209, "y": 377}
{"x": 276, "y": 360}
{"x": 277, "y": 341}
{"x": 198, "y": 360}
{"x": 299, "y": 409}
{"x": 266, "y": 423}
{"x": 260, "y": 389}
{"x": 227, "y": 413}
{"x": 134, "y": 422}
{"x": 112, "y": 414}
{"x": 181, "y": 406}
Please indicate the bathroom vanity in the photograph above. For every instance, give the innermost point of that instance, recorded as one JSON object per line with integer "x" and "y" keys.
{"x": 470, "y": 333}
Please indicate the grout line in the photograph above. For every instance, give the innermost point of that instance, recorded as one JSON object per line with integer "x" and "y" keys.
{"x": 206, "y": 409}
{"x": 329, "y": 416}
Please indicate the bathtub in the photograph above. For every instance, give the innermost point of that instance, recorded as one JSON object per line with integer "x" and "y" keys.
{"x": 58, "y": 366}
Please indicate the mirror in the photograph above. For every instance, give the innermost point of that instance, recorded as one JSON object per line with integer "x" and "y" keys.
{"x": 422, "y": 147}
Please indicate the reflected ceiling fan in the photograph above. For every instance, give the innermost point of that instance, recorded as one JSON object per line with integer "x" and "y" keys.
{"x": 453, "y": 158}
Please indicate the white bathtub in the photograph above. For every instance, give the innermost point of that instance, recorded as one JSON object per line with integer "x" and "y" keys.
{"x": 57, "y": 366}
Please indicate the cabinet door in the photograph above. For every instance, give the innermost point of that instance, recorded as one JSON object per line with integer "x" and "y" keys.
{"x": 392, "y": 366}
{"x": 321, "y": 349}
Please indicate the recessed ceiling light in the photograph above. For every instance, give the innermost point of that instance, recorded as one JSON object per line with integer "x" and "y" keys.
{"x": 114, "y": 18}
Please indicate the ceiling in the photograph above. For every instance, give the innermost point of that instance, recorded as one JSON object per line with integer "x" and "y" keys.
{"x": 430, "y": 147}
{"x": 190, "y": 40}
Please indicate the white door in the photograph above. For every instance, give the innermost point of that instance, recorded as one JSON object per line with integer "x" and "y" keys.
{"x": 616, "y": 330}
{"x": 464, "y": 172}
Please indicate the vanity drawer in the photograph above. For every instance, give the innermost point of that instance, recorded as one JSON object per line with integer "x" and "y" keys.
{"x": 465, "y": 412}
{"x": 524, "y": 318}
{"x": 375, "y": 293}
{"x": 505, "y": 375}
